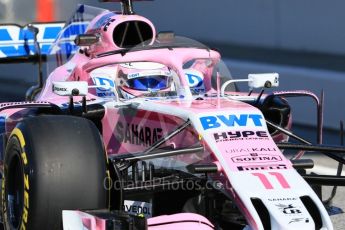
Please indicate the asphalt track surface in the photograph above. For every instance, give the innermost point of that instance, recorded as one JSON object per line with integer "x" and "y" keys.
{"x": 15, "y": 79}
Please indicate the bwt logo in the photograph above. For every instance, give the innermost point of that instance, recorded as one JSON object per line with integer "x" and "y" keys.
{"x": 211, "y": 122}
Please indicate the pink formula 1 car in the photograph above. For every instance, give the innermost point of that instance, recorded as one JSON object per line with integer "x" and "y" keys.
{"x": 135, "y": 129}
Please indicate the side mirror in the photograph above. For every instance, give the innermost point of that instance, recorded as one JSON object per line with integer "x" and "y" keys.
{"x": 86, "y": 39}
{"x": 70, "y": 88}
{"x": 165, "y": 36}
{"x": 263, "y": 80}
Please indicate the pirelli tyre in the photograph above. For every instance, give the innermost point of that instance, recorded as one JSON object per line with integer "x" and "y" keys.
{"x": 52, "y": 163}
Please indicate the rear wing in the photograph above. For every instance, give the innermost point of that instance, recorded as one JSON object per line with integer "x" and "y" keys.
{"x": 50, "y": 42}
{"x": 19, "y": 43}
{"x": 26, "y": 43}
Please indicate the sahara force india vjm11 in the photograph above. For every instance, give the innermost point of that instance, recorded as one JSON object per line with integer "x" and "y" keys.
{"x": 135, "y": 129}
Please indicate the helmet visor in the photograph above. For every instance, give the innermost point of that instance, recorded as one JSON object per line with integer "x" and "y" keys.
{"x": 157, "y": 82}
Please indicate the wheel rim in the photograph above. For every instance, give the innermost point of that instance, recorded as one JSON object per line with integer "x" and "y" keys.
{"x": 15, "y": 191}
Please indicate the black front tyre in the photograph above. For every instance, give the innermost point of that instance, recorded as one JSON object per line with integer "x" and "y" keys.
{"x": 52, "y": 163}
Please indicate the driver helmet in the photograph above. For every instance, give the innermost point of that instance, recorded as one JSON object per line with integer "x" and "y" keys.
{"x": 137, "y": 78}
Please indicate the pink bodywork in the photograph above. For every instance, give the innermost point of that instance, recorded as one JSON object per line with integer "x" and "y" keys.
{"x": 79, "y": 68}
{"x": 181, "y": 221}
{"x": 235, "y": 157}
